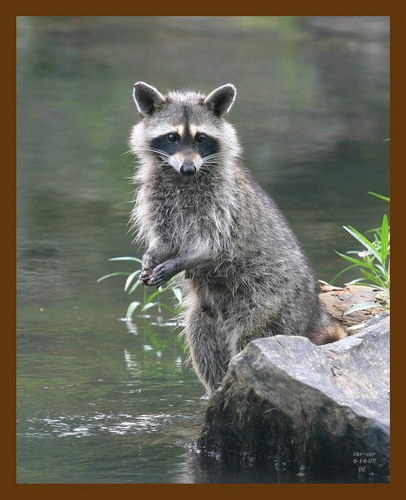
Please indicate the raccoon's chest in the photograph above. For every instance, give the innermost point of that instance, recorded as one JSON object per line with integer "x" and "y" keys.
{"x": 179, "y": 215}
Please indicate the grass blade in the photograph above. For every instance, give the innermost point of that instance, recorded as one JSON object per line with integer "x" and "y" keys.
{"x": 148, "y": 305}
{"x": 135, "y": 259}
{"x": 131, "y": 308}
{"x": 342, "y": 272}
{"x": 360, "y": 307}
{"x": 372, "y": 277}
{"x": 130, "y": 279}
{"x": 358, "y": 281}
{"x": 106, "y": 276}
{"x": 364, "y": 241}
{"x": 358, "y": 262}
{"x": 384, "y": 234}
{"x": 178, "y": 294}
{"x": 137, "y": 284}
{"x": 172, "y": 311}
{"x": 380, "y": 196}
{"x": 155, "y": 294}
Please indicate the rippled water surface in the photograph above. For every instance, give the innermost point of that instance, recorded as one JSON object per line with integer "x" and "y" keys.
{"x": 101, "y": 400}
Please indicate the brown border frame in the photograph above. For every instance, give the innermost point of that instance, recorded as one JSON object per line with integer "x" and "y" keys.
{"x": 398, "y": 164}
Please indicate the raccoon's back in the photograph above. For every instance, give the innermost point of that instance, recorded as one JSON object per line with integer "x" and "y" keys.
{"x": 262, "y": 229}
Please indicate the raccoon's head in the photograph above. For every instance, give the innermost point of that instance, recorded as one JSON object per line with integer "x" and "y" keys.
{"x": 184, "y": 129}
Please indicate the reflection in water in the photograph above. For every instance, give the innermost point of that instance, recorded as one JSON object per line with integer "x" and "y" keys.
{"x": 132, "y": 366}
{"x": 89, "y": 425}
{"x": 106, "y": 400}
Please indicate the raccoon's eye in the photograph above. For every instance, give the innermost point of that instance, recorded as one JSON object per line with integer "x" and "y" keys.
{"x": 172, "y": 137}
{"x": 201, "y": 137}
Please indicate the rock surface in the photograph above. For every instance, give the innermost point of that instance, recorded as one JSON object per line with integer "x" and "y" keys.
{"x": 286, "y": 400}
{"x": 338, "y": 300}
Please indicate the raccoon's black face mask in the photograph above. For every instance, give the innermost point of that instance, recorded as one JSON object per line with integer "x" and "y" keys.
{"x": 185, "y": 152}
{"x": 183, "y": 122}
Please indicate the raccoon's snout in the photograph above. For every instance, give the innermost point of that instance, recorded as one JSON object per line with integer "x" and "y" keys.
{"x": 188, "y": 168}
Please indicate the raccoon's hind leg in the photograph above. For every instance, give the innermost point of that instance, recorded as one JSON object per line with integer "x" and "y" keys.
{"x": 247, "y": 324}
{"x": 208, "y": 349}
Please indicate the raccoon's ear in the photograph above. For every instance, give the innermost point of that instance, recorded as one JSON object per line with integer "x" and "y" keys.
{"x": 146, "y": 98}
{"x": 221, "y": 99}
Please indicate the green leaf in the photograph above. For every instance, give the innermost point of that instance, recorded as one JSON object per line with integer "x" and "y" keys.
{"x": 375, "y": 287}
{"x": 148, "y": 305}
{"x": 131, "y": 308}
{"x": 360, "y": 307}
{"x": 384, "y": 234}
{"x": 130, "y": 279}
{"x": 372, "y": 277}
{"x": 364, "y": 241}
{"x": 178, "y": 294}
{"x": 137, "y": 284}
{"x": 380, "y": 196}
{"x": 156, "y": 294}
{"x": 356, "y": 281}
{"x": 342, "y": 272}
{"x": 110, "y": 276}
{"x": 126, "y": 258}
{"x": 358, "y": 262}
{"x": 169, "y": 309}
{"x": 373, "y": 230}
{"x": 383, "y": 273}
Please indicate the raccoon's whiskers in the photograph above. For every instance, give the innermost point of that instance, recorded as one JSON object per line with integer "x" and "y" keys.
{"x": 153, "y": 150}
{"x": 213, "y": 159}
{"x": 203, "y": 170}
{"x": 212, "y": 156}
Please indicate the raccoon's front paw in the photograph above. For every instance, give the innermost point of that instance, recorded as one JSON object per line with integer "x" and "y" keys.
{"x": 148, "y": 264}
{"x": 149, "y": 261}
{"x": 161, "y": 274}
{"x": 145, "y": 275}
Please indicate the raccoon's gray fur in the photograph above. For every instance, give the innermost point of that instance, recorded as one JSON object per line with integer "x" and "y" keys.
{"x": 246, "y": 275}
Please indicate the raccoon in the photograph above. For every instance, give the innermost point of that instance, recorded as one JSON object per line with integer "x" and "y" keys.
{"x": 200, "y": 213}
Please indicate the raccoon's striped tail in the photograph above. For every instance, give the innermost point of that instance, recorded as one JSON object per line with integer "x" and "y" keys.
{"x": 329, "y": 331}
{"x": 328, "y": 334}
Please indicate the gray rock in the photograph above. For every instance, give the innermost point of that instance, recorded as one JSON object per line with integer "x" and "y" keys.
{"x": 289, "y": 401}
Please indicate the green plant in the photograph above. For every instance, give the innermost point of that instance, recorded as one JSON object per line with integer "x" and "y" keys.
{"x": 373, "y": 261}
{"x": 151, "y": 298}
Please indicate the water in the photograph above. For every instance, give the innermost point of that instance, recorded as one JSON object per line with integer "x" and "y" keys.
{"x": 105, "y": 401}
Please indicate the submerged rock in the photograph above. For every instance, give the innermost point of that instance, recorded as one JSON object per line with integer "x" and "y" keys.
{"x": 286, "y": 400}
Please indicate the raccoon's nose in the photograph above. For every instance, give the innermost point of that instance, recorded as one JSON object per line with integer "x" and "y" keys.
{"x": 188, "y": 168}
